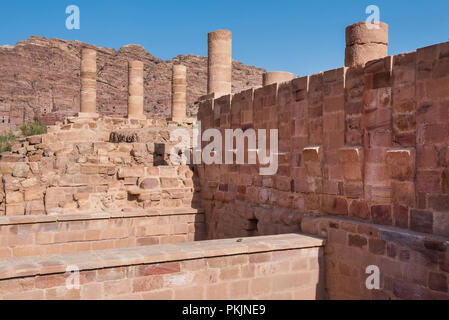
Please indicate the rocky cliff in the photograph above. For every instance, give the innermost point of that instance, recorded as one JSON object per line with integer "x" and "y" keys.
{"x": 39, "y": 80}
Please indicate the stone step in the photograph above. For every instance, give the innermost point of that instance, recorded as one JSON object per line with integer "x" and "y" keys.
{"x": 42, "y": 234}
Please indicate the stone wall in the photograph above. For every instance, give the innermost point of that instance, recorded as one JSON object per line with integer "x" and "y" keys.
{"x": 411, "y": 265}
{"x": 43, "y": 235}
{"x": 96, "y": 165}
{"x": 369, "y": 144}
{"x": 276, "y": 267}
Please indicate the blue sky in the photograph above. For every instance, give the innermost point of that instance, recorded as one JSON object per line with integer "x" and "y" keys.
{"x": 303, "y": 37}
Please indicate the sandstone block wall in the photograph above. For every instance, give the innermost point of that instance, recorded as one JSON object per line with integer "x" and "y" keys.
{"x": 95, "y": 165}
{"x": 411, "y": 265}
{"x": 370, "y": 143}
{"x": 278, "y": 267}
{"x": 45, "y": 235}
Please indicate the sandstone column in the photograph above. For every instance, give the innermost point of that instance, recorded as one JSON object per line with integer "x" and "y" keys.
{"x": 364, "y": 44}
{"x": 135, "y": 90}
{"x": 219, "y": 62}
{"x": 88, "y": 105}
{"x": 276, "y": 77}
{"x": 179, "y": 93}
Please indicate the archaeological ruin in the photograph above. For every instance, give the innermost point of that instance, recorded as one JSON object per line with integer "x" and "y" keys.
{"x": 96, "y": 208}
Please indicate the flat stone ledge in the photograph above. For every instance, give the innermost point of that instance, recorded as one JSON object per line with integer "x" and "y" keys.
{"x": 50, "y": 264}
{"x": 313, "y": 225}
{"x": 31, "y": 219}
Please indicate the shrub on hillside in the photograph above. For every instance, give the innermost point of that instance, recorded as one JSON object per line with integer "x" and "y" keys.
{"x": 6, "y": 141}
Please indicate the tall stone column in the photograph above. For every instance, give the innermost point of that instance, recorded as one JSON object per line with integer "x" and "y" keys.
{"x": 219, "y": 62}
{"x": 135, "y": 90}
{"x": 88, "y": 106}
{"x": 276, "y": 77}
{"x": 179, "y": 93}
{"x": 364, "y": 44}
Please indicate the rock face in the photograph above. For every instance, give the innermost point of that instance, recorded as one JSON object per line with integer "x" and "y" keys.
{"x": 40, "y": 79}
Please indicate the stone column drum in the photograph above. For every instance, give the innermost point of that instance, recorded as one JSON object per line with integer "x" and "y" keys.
{"x": 179, "y": 93}
{"x": 364, "y": 44}
{"x": 88, "y": 106}
{"x": 135, "y": 90}
{"x": 276, "y": 77}
{"x": 219, "y": 62}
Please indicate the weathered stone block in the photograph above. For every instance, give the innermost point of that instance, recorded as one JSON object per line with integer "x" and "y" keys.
{"x": 377, "y": 246}
{"x": 131, "y": 172}
{"x": 21, "y": 170}
{"x": 421, "y": 221}
{"x": 14, "y": 197}
{"x": 149, "y": 183}
{"x": 6, "y": 167}
{"x": 334, "y": 205}
{"x": 35, "y": 207}
{"x": 439, "y": 202}
{"x": 55, "y": 196}
{"x": 401, "y": 216}
{"x": 359, "y": 209}
{"x": 403, "y": 192}
{"x": 351, "y": 160}
{"x": 15, "y": 209}
{"x": 33, "y": 140}
{"x": 381, "y": 214}
{"x": 34, "y": 194}
{"x": 438, "y": 282}
{"x": 355, "y": 240}
{"x": 441, "y": 224}
{"x": 353, "y": 191}
{"x": 312, "y": 159}
{"x": 312, "y": 154}
{"x": 169, "y": 182}
{"x": 401, "y": 163}
{"x": 429, "y": 181}
{"x": 169, "y": 172}
{"x": 93, "y": 169}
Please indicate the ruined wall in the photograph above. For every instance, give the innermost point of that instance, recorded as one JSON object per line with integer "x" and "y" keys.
{"x": 369, "y": 143}
{"x": 95, "y": 165}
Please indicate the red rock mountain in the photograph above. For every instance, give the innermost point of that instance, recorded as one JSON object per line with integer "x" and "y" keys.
{"x": 40, "y": 80}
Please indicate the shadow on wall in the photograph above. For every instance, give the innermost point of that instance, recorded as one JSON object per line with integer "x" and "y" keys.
{"x": 159, "y": 152}
{"x": 321, "y": 288}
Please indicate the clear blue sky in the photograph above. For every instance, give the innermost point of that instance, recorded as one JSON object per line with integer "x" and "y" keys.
{"x": 302, "y": 37}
